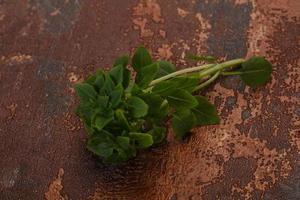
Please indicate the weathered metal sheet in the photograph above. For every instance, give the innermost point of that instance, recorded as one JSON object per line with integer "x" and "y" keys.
{"x": 47, "y": 46}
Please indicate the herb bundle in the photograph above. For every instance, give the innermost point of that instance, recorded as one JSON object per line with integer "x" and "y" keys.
{"x": 122, "y": 115}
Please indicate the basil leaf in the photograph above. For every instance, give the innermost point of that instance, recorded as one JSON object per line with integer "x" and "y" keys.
{"x": 108, "y": 86}
{"x": 141, "y": 58}
{"x": 158, "y": 134}
{"x": 138, "y": 107}
{"x": 143, "y": 140}
{"x": 256, "y": 71}
{"x": 182, "y": 122}
{"x": 146, "y": 75}
{"x": 181, "y": 99}
{"x": 124, "y": 142}
{"x": 122, "y": 119}
{"x": 119, "y": 155}
{"x": 85, "y": 91}
{"x": 122, "y": 60}
{"x": 155, "y": 103}
{"x": 99, "y": 81}
{"x": 102, "y": 105}
{"x": 116, "y": 96}
{"x": 101, "y": 145}
{"x": 117, "y": 74}
{"x": 165, "y": 68}
{"x": 167, "y": 87}
{"x": 85, "y": 111}
{"x": 205, "y": 113}
{"x": 91, "y": 80}
{"x": 102, "y": 121}
{"x": 126, "y": 77}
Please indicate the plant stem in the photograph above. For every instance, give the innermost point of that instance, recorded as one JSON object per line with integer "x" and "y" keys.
{"x": 180, "y": 72}
{"x": 207, "y": 69}
{"x": 231, "y": 73}
{"x": 209, "y": 81}
{"x": 220, "y": 67}
{"x": 240, "y": 73}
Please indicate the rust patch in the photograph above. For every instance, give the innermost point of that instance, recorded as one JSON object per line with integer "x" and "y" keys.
{"x": 55, "y": 188}
{"x": 162, "y": 33}
{"x": 12, "y": 108}
{"x": 148, "y": 7}
{"x": 17, "y": 59}
{"x": 140, "y": 13}
{"x": 73, "y": 78}
{"x": 228, "y": 20}
{"x": 238, "y": 2}
{"x": 182, "y": 13}
{"x": 165, "y": 52}
{"x": 141, "y": 24}
{"x": 282, "y": 7}
{"x": 57, "y": 16}
{"x": 270, "y": 26}
{"x": 202, "y": 33}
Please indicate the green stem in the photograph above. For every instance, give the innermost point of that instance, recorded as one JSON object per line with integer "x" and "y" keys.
{"x": 240, "y": 73}
{"x": 205, "y": 70}
{"x": 231, "y": 73}
{"x": 220, "y": 67}
{"x": 180, "y": 72}
{"x": 209, "y": 81}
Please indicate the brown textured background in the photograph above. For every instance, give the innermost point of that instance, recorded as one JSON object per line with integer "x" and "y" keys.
{"x": 48, "y": 45}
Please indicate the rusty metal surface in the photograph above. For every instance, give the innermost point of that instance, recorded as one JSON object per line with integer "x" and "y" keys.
{"x": 48, "y": 45}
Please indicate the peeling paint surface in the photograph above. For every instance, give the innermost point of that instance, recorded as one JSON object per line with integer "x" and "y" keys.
{"x": 48, "y": 46}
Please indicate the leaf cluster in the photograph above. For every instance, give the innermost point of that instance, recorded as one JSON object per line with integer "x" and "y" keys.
{"x": 122, "y": 115}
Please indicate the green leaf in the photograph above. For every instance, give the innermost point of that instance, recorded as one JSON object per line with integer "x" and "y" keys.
{"x": 182, "y": 122}
{"x": 101, "y": 145}
{"x": 205, "y": 113}
{"x": 138, "y": 107}
{"x": 116, "y": 96}
{"x": 126, "y": 77}
{"x": 256, "y": 71}
{"x": 122, "y": 119}
{"x": 86, "y": 112}
{"x": 181, "y": 99}
{"x": 209, "y": 59}
{"x": 154, "y": 101}
{"x": 100, "y": 79}
{"x": 133, "y": 89}
{"x": 102, "y": 106}
{"x": 117, "y": 74}
{"x": 85, "y": 91}
{"x": 164, "y": 110}
{"x": 141, "y": 58}
{"x": 158, "y": 134}
{"x": 91, "y": 80}
{"x": 108, "y": 86}
{"x": 122, "y": 60}
{"x": 167, "y": 87}
{"x": 124, "y": 142}
{"x": 165, "y": 68}
{"x": 146, "y": 75}
{"x": 143, "y": 140}
{"x": 102, "y": 121}
{"x": 88, "y": 129}
{"x": 127, "y": 145}
{"x": 119, "y": 155}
